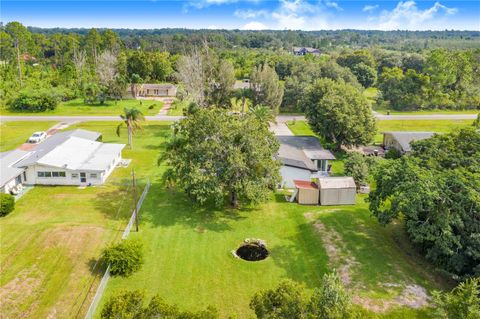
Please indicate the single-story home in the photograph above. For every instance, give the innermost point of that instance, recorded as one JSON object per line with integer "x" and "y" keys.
{"x": 401, "y": 140}
{"x": 67, "y": 158}
{"x": 305, "y": 50}
{"x": 326, "y": 191}
{"x": 302, "y": 158}
{"x": 154, "y": 90}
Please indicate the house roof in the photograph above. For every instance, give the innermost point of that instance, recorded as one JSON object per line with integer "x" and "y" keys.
{"x": 306, "y": 49}
{"x": 42, "y": 149}
{"x": 8, "y": 170}
{"x": 305, "y": 184}
{"x": 157, "y": 86}
{"x": 405, "y": 138}
{"x": 336, "y": 182}
{"x": 300, "y": 151}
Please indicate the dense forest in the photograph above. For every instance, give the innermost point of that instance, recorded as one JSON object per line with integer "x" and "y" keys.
{"x": 409, "y": 70}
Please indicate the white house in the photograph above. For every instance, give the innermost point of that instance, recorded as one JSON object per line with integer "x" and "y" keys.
{"x": 66, "y": 158}
{"x": 303, "y": 158}
{"x": 401, "y": 141}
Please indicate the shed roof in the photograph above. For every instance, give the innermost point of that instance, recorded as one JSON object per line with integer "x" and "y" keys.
{"x": 405, "y": 138}
{"x": 305, "y": 184}
{"x": 336, "y": 182}
{"x": 8, "y": 170}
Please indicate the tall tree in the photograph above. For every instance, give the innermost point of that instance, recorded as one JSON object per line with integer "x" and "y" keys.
{"x": 340, "y": 113}
{"x": 106, "y": 70}
{"x": 93, "y": 41}
{"x": 21, "y": 37}
{"x": 266, "y": 87}
{"x": 214, "y": 154}
{"x": 132, "y": 119}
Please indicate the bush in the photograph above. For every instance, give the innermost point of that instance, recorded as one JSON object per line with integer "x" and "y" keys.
{"x": 124, "y": 258}
{"x": 463, "y": 302}
{"x": 357, "y": 166}
{"x": 36, "y": 101}
{"x": 7, "y": 204}
{"x": 392, "y": 153}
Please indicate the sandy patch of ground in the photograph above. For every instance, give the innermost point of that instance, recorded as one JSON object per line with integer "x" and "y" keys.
{"x": 408, "y": 295}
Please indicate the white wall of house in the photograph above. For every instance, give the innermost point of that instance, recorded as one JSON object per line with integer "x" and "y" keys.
{"x": 289, "y": 173}
{"x": 12, "y": 184}
{"x": 390, "y": 142}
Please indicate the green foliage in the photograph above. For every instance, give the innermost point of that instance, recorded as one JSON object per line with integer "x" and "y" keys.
{"x": 129, "y": 305}
{"x": 365, "y": 74}
{"x": 339, "y": 113}
{"x": 132, "y": 119}
{"x": 476, "y": 123}
{"x": 463, "y": 302}
{"x": 7, "y": 204}
{"x": 124, "y": 258}
{"x": 36, "y": 100}
{"x": 288, "y": 301}
{"x": 436, "y": 190}
{"x": 357, "y": 166}
{"x": 214, "y": 154}
{"x": 266, "y": 88}
{"x": 393, "y": 153}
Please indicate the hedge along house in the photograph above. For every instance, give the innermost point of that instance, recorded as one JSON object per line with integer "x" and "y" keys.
{"x": 67, "y": 158}
{"x": 302, "y": 158}
{"x": 401, "y": 141}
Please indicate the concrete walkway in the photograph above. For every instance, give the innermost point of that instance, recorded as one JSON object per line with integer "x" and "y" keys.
{"x": 280, "y": 128}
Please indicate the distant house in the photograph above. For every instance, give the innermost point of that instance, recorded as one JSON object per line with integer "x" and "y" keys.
{"x": 401, "y": 140}
{"x": 305, "y": 50}
{"x": 154, "y": 90}
{"x": 242, "y": 85}
{"x": 66, "y": 158}
{"x": 302, "y": 158}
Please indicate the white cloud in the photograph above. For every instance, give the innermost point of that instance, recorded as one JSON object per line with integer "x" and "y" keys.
{"x": 370, "y": 8}
{"x": 299, "y": 14}
{"x": 254, "y": 25}
{"x": 250, "y": 14}
{"x": 332, "y": 4}
{"x": 406, "y": 15}
{"x": 213, "y": 27}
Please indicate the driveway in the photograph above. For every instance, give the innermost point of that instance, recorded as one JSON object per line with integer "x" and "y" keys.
{"x": 280, "y": 128}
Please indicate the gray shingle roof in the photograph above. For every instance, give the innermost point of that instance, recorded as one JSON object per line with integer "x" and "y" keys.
{"x": 300, "y": 151}
{"x": 52, "y": 142}
{"x": 7, "y": 170}
{"x": 405, "y": 138}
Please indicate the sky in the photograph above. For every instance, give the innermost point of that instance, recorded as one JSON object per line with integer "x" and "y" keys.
{"x": 247, "y": 14}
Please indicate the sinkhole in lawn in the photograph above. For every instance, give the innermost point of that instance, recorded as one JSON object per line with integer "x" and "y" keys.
{"x": 252, "y": 252}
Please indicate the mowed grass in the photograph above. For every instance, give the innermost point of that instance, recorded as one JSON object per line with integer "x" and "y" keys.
{"x": 440, "y": 126}
{"x": 14, "y": 134}
{"x": 78, "y": 107}
{"x": 52, "y": 240}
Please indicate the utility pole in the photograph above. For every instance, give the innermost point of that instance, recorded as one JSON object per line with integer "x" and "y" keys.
{"x": 135, "y": 211}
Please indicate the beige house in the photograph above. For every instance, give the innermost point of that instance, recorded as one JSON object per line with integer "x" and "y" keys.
{"x": 154, "y": 90}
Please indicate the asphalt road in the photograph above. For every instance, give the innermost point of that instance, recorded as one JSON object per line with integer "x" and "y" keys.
{"x": 280, "y": 118}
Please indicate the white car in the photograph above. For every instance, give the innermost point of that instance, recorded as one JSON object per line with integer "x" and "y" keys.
{"x": 37, "y": 137}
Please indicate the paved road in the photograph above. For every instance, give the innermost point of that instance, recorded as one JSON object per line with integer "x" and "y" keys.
{"x": 280, "y": 118}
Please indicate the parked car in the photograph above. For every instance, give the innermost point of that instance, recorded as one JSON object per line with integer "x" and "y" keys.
{"x": 37, "y": 137}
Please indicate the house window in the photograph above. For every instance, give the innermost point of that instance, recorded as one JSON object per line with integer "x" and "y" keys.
{"x": 58, "y": 174}
{"x": 93, "y": 175}
{"x": 48, "y": 174}
{"x": 62, "y": 174}
{"x": 55, "y": 174}
{"x": 74, "y": 175}
{"x": 24, "y": 176}
{"x": 41, "y": 174}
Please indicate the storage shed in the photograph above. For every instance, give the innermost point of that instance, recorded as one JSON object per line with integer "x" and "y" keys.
{"x": 306, "y": 192}
{"x": 337, "y": 190}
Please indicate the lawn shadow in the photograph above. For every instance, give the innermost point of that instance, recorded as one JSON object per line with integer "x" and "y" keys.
{"x": 169, "y": 207}
{"x": 304, "y": 259}
{"x": 96, "y": 266}
{"x": 116, "y": 204}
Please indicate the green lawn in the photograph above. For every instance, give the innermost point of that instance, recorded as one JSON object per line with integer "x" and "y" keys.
{"x": 78, "y": 107}
{"x": 56, "y": 234}
{"x": 177, "y": 108}
{"x": 13, "y": 134}
{"x": 52, "y": 239}
{"x": 441, "y": 126}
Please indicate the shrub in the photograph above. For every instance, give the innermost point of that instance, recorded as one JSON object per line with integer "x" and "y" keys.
{"x": 127, "y": 304}
{"x": 463, "y": 302}
{"x": 356, "y": 166}
{"x": 124, "y": 258}
{"x": 151, "y": 107}
{"x": 7, "y": 204}
{"x": 392, "y": 153}
{"x": 36, "y": 100}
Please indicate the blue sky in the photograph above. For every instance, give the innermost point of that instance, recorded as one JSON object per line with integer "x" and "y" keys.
{"x": 249, "y": 14}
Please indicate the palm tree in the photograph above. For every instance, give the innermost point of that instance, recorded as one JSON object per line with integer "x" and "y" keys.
{"x": 263, "y": 113}
{"x": 131, "y": 118}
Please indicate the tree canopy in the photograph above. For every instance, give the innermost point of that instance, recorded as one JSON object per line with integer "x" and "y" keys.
{"x": 215, "y": 155}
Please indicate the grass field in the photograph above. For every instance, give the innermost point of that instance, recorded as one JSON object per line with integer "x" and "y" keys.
{"x": 52, "y": 239}
{"x": 13, "y": 134}
{"x": 440, "y": 126}
{"x": 78, "y": 107}
{"x": 177, "y": 108}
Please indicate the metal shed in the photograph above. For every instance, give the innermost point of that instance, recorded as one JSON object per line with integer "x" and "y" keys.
{"x": 337, "y": 190}
{"x": 306, "y": 192}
